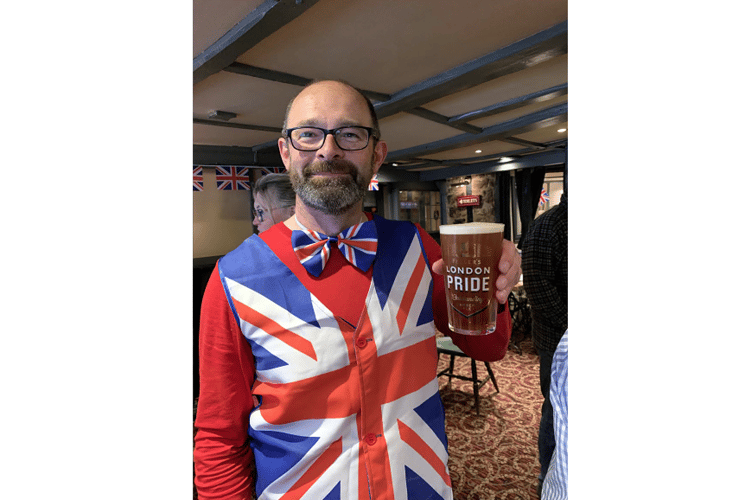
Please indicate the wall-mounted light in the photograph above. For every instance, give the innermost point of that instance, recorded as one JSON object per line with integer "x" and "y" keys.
{"x": 465, "y": 182}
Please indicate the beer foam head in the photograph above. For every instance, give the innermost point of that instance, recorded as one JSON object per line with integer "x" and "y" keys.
{"x": 472, "y": 228}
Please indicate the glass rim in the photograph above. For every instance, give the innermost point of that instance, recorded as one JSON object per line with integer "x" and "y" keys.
{"x": 472, "y": 228}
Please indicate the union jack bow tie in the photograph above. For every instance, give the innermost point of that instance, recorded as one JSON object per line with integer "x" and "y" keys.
{"x": 357, "y": 244}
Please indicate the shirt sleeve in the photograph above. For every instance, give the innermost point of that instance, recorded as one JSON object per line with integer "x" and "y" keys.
{"x": 491, "y": 347}
{"x": 222, "y": 455}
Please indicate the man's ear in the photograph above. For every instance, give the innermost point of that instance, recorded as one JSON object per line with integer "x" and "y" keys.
{"x": 379, "y": 155}
{"x": 284, "y": 152}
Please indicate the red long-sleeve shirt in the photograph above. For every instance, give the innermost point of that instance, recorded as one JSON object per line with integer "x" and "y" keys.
{"x": 223, "y": 458}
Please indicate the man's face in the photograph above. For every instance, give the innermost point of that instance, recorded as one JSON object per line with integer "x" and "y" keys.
{"x": 330, "y": 179}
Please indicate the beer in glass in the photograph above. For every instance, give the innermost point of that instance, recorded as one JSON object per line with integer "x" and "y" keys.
{"x": 471, "y": 254}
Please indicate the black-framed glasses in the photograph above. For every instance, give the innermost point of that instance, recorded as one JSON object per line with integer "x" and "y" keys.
{"x": 259, "y": 214}
{"x": 352, "y": 138}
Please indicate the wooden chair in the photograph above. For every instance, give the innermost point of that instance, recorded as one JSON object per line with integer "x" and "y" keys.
{"x": 445, "y": 346}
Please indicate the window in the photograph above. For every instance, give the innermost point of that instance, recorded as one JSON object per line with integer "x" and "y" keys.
{"x": 553, "y": 188}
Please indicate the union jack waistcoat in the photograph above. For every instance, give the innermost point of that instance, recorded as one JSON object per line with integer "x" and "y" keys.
{"x": 343, "y": 414}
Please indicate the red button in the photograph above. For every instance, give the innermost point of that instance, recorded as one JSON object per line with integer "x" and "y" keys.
{"x": 361, "y": 342}
{"x": 370, "y": 439}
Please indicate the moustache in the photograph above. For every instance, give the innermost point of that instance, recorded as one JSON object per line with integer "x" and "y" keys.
{"x": 331, "y": 166}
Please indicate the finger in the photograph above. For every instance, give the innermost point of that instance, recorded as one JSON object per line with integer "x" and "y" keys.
{"x": 438, "y": 267}
{"x": 504, "y": 265}
{"x": 504, "y": 284}
{"x": 509, "y": 255}
{"x": 502, "y": 297}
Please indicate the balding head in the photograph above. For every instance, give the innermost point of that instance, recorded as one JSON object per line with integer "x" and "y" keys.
{"x": 324, "y": 92}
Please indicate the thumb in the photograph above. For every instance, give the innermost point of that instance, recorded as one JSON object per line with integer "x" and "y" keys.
{"x": 438, "y": 267}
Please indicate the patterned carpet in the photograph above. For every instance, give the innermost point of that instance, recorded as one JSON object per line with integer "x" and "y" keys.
{"x": 494, "y": 455}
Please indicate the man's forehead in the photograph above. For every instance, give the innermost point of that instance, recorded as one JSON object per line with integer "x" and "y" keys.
{"x": 329, "y": 101}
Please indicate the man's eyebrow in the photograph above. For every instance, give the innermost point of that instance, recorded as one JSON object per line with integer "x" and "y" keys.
{"x": 311, "y": 122}
{"x": 314, "y": 122}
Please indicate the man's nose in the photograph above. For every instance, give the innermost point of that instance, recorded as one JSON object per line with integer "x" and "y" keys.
{"x": 329, "y": 150}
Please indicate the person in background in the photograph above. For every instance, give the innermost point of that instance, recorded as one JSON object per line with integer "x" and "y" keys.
{"x": 274, "y": 200}
{"x": 544, "y": 267}
{"x": 317, "y": 344}
{"x": 555, "y": 484}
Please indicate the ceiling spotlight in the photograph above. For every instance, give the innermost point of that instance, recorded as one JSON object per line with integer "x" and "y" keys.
{"x": 222, "y": 115}
{"x": 505, "y": 159}
{"x": 562, "y": 130}
{"x": 395, "y": 164}
{"x": 478, "y": 151}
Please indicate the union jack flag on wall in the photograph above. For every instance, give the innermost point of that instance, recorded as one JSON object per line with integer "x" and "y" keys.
{"x": 198, "y": 179}
{"x": 543, "y": 197}
{"x": 233, "y": 179}
{"x": 272, "y": 170}
{"x": 374, "y": 184}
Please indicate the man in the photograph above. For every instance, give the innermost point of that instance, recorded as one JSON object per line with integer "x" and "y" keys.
{"x": 273, "y": 200}
{"x": 319, "y": 354}
{"x": 544, "y": 264}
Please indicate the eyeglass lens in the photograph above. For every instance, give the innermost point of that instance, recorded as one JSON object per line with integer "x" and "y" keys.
{"x": 347, "y": 138}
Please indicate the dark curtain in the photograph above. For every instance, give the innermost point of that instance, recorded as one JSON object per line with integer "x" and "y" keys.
{"x": 529, "y": 182}
{"x": 504, "y": 185}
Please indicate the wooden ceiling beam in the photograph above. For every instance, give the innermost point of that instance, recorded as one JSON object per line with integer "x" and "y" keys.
{"x": 511, "y": 104}
{"x": 234, "y": 155}
{"x": 264, "y": 20}
{"x": 500, "y": 131}
{"x": 262, "y": 128}
{"x": 520, "y": 55}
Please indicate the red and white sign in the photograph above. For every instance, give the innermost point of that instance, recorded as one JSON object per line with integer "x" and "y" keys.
{"x": 470, "y": 200}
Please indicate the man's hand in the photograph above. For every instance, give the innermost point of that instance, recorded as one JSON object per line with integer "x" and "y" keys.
{"x": 510, "y": 270}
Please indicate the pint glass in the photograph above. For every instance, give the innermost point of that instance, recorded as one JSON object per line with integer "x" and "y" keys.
{"x": 471, "y": 254}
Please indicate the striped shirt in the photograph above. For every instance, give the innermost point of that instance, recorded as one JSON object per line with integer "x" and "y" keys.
{"x": 555, "y": 484}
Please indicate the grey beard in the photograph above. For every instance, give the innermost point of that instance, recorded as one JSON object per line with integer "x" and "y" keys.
{"x": 331, "y": 196}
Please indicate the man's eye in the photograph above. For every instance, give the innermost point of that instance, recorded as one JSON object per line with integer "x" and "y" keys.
{"x": 308, "y": 134}
{"x": 352, "y": 134}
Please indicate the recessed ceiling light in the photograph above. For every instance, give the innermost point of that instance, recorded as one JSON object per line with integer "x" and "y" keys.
{"x": 478, "y": 151}
{"x": 395, "y": 164}
{"x": 505, "y": 159}
{"x": 562, "y": 130}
